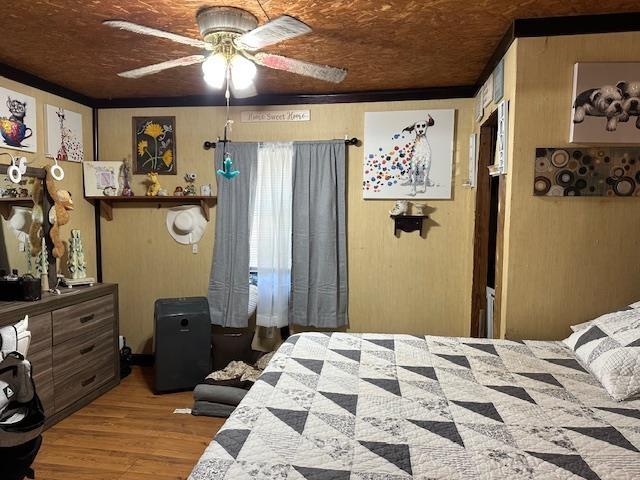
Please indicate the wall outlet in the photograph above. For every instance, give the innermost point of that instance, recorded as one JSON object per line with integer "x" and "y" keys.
{"x": 194, "y": 248}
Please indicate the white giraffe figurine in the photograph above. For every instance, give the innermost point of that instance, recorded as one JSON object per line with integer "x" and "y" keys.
{"x": 70, "y": 147}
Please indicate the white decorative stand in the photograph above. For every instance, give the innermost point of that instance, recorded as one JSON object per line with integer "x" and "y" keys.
{"x": 76, "y": 264}
{"x": 42, "y": 267}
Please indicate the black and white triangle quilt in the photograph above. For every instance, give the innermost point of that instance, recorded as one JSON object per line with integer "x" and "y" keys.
{"x": 395, "y": 407}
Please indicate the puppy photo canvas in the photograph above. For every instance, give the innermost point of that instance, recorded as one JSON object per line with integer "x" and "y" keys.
{"x": 605, "y": 103}
{"x": 408, "y": 154}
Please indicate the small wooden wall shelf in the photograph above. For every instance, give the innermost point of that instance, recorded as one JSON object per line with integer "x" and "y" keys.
{"x": 107, "y": 203}
{"x": 408, "y": 223}
{"x": 7, "y": 202}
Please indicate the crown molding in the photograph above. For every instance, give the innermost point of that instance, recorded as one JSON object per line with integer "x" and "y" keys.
{"x": 559, "y": 26}
{"x": 432, "y": 93}
{"x": 34, "y": 81}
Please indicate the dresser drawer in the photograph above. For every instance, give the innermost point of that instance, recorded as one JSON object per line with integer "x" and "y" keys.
{"x": 72, "y": 388}
{"x": 40, "y": 359}
{"x": 82, "y": 352}
{"x": 40, "y": 328}
{"x": 44, "y": 389}
{"x": 82, "y": 318}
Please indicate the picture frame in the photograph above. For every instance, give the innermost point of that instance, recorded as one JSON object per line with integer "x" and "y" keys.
{"x": 501, "y": 159}
{"x": 478, "y": 108}
{"x": 102, "y": 179}
{"x": 408, "y": 154}
{"x": 587, "y": 171}
{"x": 487, "y": 92}
{"x": 498, "y": 82}
{"x": 605, "y": 103}
{"x": 473, "y": 161}
{"x": 154, "y": 145}
{"x": 64, "y": 134}
{"x": 18, "y": 121}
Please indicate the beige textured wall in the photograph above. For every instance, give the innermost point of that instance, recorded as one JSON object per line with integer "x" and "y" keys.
{"x": 409, "y": 284}
{"x": 569, "y": 259}
{"x": 82, "y": 217}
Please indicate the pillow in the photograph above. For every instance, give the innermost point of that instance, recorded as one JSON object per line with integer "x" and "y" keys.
{"x": 610, "y": 349}
{"x": 580, "y": 326}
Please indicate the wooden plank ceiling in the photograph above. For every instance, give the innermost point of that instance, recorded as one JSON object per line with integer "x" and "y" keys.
{"x": 385, "y": 44}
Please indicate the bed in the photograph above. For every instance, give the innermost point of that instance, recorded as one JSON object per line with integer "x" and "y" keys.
{"x": 338, "y": 406}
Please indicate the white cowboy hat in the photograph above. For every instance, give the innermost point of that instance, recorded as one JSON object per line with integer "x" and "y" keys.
{"x": 20, "y": 222}
{"x": 186, "y": 224}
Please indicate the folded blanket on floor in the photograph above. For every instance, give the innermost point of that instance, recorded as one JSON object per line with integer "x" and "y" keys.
{"x": 212, "y": 409}
{"x": 234, "y": 382}
{"x": 218, "y": 394}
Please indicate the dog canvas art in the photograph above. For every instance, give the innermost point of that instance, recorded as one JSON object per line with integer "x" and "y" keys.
{"x": 408, "y": 154}
{"x": 606, "y": 103}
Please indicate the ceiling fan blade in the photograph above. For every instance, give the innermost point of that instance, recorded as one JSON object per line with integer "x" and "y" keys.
{"x": 245, "y": 92}
{"x": 158, "y": 67}
{"x": 321, "y": 72}
{"x": 275, "y": 31}
{"x": 135, "y": 28}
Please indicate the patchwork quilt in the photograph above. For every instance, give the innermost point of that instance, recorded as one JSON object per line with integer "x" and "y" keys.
{"x": 340, "y": 406}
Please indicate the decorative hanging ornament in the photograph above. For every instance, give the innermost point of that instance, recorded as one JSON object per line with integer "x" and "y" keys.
{"x": 227, "y": 166}
{"x": 227, "y": 163}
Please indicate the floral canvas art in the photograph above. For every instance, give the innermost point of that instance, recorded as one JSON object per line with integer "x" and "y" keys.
{"x": 154, "y": 145}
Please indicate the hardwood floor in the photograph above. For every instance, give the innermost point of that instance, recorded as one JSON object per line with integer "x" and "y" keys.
{"x": 127, "y": 434}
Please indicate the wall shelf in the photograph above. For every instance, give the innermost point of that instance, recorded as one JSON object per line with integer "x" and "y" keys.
{"x": 408, "y": 223}
{"x": 7, "y": 202}
{"x": 107, "y": 203}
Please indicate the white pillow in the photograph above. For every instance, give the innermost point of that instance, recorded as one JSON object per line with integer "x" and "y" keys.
{"x": 580, "y": 326}
{"x": 610, "y": 349}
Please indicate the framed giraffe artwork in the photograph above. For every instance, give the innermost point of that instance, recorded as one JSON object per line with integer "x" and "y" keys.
{"x": 64, "y": 134}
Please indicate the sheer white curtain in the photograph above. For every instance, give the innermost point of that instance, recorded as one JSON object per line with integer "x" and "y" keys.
{"x": 271, "y": 233}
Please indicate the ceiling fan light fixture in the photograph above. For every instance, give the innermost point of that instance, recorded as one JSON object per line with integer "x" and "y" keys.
{"x": 214, "y": 69}
{"x": 243, "y": 72}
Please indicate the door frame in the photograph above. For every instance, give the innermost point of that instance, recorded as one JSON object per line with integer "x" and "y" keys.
{"x": 487, "y": 142}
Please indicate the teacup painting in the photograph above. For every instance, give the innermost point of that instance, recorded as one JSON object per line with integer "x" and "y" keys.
{"x": 17, "y": 121}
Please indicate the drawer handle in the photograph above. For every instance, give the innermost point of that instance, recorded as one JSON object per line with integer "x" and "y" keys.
{"x": 87, "y": 318}
{"x": 88, "y": 381}
{"x": 87, "y": 349}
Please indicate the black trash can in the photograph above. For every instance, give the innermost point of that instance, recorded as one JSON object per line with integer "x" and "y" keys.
{"x": 182, "y": 343}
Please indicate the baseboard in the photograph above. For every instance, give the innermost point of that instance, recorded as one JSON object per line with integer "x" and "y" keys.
{"x": 142, "y": 359}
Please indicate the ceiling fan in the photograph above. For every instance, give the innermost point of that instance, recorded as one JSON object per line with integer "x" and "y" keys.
{"x": 231, "y": 39}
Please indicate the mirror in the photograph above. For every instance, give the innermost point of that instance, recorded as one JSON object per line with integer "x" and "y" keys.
{"x": 21, "y": 224}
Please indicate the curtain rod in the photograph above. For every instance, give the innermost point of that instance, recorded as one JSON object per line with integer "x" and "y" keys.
{"x": 348, "y": 141}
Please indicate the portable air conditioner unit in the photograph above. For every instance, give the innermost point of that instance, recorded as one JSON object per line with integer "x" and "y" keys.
{"x": 182, "y": 343}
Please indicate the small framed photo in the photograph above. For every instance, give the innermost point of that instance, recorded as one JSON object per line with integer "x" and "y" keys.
{"x": 205, "y": 190}
{"x": 154, "y": 145}
{"x": 102, "y": 179}
{"x": 498, "y": 82}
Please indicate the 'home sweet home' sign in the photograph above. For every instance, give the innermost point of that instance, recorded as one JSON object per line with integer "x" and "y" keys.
{"x": 275, "y": 116}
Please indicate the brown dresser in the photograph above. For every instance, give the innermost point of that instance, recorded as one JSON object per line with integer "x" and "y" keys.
{"x": 74, "y": 345}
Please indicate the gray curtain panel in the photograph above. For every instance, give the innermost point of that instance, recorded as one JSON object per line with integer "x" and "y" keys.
{"x": 229, "y": 282}
{"x": 319, "y": 243}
